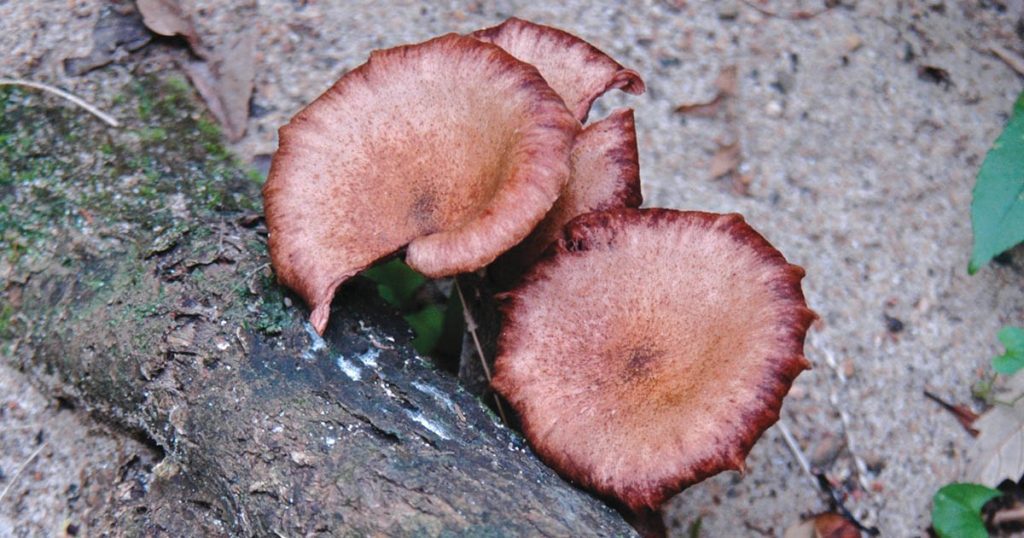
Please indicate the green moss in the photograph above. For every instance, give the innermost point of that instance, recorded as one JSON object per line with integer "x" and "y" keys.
{"x": 6, "y": 313}
{"x": 162, "y": 151}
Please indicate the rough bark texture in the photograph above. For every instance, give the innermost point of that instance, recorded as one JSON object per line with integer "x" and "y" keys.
{"x": 134, "y": 281}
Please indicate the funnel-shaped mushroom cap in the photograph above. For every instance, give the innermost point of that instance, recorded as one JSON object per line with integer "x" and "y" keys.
{"x": 577, "y": 70}
{"x": 451, "y": 146}
{"x": 605, "y": 175}
{"x": 650, "y": 348}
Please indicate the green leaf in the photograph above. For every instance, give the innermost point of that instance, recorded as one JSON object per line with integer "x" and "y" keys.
{"x": 427, "y": 324}
{"x": 1013, "y": 340}
{"x": 396, "y": 282}
{"x": 956, "y": 510}
{"x": 997, "y": 211}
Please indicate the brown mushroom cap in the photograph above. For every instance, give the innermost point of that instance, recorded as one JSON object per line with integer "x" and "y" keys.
{"x": 577, "y": 70}
{"x": 451, "y": 146}
{"x": 605, "y": 175}
{"x": 651, "y": 348}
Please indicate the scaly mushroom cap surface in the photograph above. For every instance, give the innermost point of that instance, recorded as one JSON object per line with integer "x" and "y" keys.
{"x": 451, "y": 146}
{"x": 577, "y": 70}
{"x": 650, "y": 348}
{"x": 605, "y": 175}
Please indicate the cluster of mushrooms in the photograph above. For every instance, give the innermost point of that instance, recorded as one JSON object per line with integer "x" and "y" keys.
{"x": 643, "y": 350}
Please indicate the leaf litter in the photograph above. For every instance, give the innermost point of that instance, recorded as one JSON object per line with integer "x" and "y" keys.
{"x": 223, "y": 70}
{"x": 998, "y": 453}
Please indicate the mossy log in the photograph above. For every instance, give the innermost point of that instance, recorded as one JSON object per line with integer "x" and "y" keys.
{"x": 135, "y": 282}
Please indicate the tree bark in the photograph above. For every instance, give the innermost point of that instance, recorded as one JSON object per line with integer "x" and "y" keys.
{"x": 136, "y": 283}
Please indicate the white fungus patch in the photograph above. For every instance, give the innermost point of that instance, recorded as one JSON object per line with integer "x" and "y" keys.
{"x": 349, "y": 368}
{"x": 369, "y": 357}
{"x": 435, "y": 393}
{"x": 434, "y": 427}
{"x": 318, "y": 343}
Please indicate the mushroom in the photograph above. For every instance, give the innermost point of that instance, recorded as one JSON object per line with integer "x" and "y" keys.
{"x": 452, "y": 147}
{"x": 605, "y": 175}
{"x": 577, "y": 70}
{"x": 650, "y": 348}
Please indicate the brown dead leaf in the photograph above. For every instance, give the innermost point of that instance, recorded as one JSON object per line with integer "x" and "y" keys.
{"x": 827, "y": 525}
{"x": 169, "y": 18}
{"x": 727, "y": 80}
{"x": 725, "y": 86}
{"x": 224, "y": 73}
{"x": 115, "y": 35}
{"x": 225, "y": 83}
{"x": 999, "y": 452}
{"x": 726, "y": 160}
{"x": 706, "y": 109}
{"x": 962, "y": 413}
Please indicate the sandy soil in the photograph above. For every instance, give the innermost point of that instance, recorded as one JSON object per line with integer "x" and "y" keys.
{"x": 860, "y": 131}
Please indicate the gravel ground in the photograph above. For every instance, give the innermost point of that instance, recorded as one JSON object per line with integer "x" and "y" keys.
{"x": 860, "y": 128}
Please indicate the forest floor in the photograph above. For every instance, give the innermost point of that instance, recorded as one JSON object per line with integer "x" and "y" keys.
{"x": 850, "y": 139}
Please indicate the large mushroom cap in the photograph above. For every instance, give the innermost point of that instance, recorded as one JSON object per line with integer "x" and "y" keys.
{"x": 651, "y": 348}
{"x": 451, "y": 146}
{"x": 577, "y": 70}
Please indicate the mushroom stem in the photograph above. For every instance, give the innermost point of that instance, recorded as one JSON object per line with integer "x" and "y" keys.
{"x": 471, "y": 328}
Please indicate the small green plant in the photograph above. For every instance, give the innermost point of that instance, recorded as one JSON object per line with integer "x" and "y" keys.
{"x": 997, "y": 211}
{"x": 1013, "y": 360}
{"x": 399, "y": 285}
{"x": 956, "y": 510}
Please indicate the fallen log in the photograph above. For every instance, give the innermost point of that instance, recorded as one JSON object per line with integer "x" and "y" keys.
{"x": 135, "y": 283}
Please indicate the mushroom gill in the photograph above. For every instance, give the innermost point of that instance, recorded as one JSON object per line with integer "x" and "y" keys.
{"x": 452, "y": 147}
{"x": 650, "y": 348}
{"x": 577, "y": 70}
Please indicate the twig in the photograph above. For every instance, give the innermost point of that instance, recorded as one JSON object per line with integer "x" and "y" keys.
{"x": 108, "y": 119}
{"x": 19, "y": 428}
{"x": 818, "y": 481}
{"x": 797, "y": 453}
{"x": 1015, "y": 62}
{"x": 1013, "y": 515}
{"x": 471, "y": 328}
{"x": 860, "y": 467}
{"x": 963, "y": 415}
{"x": 21, "y": 469}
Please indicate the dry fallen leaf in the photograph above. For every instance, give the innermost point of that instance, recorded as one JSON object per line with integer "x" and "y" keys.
{"x": 827, "y": 525}
{"x": 999, "y": 452}
{"x": 224, "y": 74}
{"x": 225, "y": 83}
{"x": 961, "y": 412}
{"x": 725, "y": 161}
{"x": 116, "y": 34}
{"x": 725, "y": 85}
{"x": 169, "y": 18}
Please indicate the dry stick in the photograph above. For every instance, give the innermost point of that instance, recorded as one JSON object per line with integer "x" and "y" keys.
{"x": 797, "y": 453}
{"x": 109, "y": 120}
{"x": 17, "y": 474}
{"x": 1013, "y": 515}
{"x": 1015, "y": 62}
{"x": 471, "y": 327}
{"x": 833, "y": 398}
{"x": 19, "y": 428}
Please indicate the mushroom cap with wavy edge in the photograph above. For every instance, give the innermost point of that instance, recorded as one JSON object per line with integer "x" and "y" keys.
{"x": 605, "y": 175}
{"x": 577, "y": 70}
{"x": 650, "y": 348}
{"x": 451, "y": 146}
